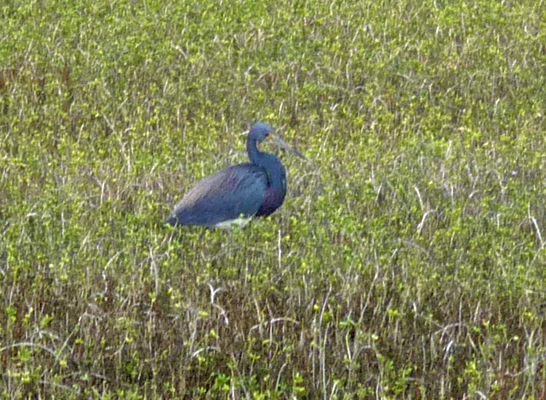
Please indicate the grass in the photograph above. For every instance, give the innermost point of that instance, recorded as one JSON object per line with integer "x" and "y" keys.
{"x": 408, "y": 260}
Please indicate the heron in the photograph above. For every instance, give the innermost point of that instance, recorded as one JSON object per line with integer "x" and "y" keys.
{"x": 236, "y": 194}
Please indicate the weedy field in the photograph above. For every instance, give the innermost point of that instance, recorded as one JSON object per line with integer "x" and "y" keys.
{"x": 407, "y": 262}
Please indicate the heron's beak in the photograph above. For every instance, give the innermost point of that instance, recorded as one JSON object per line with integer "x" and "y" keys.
{"x": 285, "y": 146}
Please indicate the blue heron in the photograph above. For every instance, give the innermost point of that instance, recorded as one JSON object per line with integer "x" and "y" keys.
{"x": 234, "y": 195}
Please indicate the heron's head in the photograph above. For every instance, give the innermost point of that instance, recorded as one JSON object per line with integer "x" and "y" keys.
{"x": 260, "y": 131}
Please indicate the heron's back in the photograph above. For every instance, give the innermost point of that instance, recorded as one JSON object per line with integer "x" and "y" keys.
{"x": 231, "y": 193}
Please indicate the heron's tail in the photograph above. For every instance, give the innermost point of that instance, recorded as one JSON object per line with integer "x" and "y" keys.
{"x": 172, "y": 220}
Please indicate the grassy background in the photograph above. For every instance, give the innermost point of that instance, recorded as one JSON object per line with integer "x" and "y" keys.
{"x": 407, "y": 262}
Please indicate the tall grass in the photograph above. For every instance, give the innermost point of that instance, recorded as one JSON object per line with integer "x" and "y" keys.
{"x": 407, "y": 262}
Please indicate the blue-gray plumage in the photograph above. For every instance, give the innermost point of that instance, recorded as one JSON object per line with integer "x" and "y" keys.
{"x": 234, "y": 195}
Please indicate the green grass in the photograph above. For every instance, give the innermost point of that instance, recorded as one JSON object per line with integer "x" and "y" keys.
{"x": 407, "y": 262}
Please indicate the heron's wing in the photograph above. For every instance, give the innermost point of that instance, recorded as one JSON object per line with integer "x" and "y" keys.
{"x": 227, "y": 195}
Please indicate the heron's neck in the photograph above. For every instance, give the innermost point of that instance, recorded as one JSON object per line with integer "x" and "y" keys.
{"x": 253, "y": 152}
